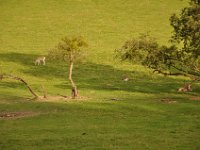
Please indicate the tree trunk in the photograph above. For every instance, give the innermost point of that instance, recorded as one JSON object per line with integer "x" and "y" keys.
{"x": 2, "y": 76}
{"x": 44, "y": 91}
{"x": 74, "y": 88}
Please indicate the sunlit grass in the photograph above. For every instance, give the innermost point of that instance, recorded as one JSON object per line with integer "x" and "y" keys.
{"x": 138, "y": 119}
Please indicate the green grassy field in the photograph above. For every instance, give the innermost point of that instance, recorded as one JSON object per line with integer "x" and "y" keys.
{"x": 142, "y": 118}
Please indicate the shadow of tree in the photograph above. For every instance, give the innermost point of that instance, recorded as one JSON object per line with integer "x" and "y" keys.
{"x": 11, "y": 85}
{"x": 105, "y": 77}
{"x": 47, "y": 71}
{"x": 24, "y": 59}
{"x": 94, "y": 76}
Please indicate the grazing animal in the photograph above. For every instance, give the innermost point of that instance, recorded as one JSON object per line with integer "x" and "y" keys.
{"x": 187, "y": 87}
{"x": 40, "y": 60}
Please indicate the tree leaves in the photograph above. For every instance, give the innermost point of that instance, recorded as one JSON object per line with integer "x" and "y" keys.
{"x": 69, "y": 49}
{"x": 183, "y": 56}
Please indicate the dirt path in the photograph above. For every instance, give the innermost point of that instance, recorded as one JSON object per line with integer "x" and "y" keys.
{"x": 14, "y": 115}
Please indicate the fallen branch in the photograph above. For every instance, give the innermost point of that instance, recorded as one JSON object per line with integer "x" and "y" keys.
{"x": 170, "y": 73}
{"x": 63, "y": 96}
{"x": 4, "y": 76}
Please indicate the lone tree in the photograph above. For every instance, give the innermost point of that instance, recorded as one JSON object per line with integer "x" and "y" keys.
{"x": 181, "y": 58}
{"x": 70, "y": 50}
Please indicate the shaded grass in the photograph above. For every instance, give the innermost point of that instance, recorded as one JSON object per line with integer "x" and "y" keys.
{"x": 95, "y": 76}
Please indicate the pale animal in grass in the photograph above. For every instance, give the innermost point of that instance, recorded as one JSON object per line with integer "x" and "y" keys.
{"x": 40, "y": 61}
{"x": 186, "y": 88}
{"x": 125, "y": 79}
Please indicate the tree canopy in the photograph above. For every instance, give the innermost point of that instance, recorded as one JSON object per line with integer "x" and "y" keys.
{"x": 69, "y": 49}
{"x": 181, "y": 57}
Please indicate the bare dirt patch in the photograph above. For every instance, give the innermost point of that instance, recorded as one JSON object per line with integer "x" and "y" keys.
{"x": 14, "y": 115}
{"x": 61, "y": 98}
{"x": 168, "y": 100}
{"x": 196, "y": 98}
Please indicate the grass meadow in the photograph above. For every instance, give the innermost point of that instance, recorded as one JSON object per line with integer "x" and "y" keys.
{"x": 148, "y": 114}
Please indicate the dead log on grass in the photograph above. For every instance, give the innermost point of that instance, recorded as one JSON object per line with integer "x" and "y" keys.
{"x": 8, "y": 76}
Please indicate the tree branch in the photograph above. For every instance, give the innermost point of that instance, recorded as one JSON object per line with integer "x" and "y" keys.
{"x": 187, "y": 72}
{"x": 170, "y": 73}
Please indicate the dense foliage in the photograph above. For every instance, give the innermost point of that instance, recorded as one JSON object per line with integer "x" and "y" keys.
{"x": 182, "y": 57}
{"x": 69, "y": 49}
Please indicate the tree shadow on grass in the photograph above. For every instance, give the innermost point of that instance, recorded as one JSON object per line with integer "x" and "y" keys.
{"x": 12, "y": 85}
{"x": 106, "y": 78}
{"x": 48, "y": 71}
{"x": 24, "y": 59}
{"x": 94, "y": 76}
